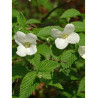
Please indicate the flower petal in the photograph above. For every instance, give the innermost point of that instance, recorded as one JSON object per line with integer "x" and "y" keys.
{"x": 19, "y": 37}
{"x": 32, "y": 50}
{"x": 55, "y": 33}
{"x": 81, "y": 51}
{"x": 31, "y": 38}
{"x": 83, "y": 56}
{"x": 21, "y": 51}
{"x": 69, "y": 28}
{"x": 73, "y": 38}
{"x": 61, "y": 43}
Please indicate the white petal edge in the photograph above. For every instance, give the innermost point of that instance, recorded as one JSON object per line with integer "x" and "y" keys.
{"x": 81, "y": 51}
{"x": 30, "y": 37}
{"x": 73, "y": 38}
{"x": 21, "y": 51}
{"x": 55, "y": 33}
{"x": 61, "y": 43}
{"x": 83, "y": 56}
{"x": 19, "y": 37}
{"x": 32, "y": 50}
{"x": 69, "y": 28}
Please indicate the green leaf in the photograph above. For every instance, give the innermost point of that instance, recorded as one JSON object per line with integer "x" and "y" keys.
{"x": 35, "y": 60}
{"x": 14, "y": 12}
{"x": 27, "y": 86}
{"x": 80, "y": 63}
{"x": 48, "y": 66}
{"x": 55, "y": 51}
{"x": 70, "y": 13}
{"x": 45, "y": 32}
{"x": 81, "y": 86}
{"x": 45, "y": 75}
{"x": 79, "y": 26}
{"x": 57, "y": 85}
{"x": 67, "y": 94}
{"x": 44, "y": 50}
{"x": 33, "y": 21}
{"x": 68, "y": 57}
{"x": 73, "y": 74}
{"x": 15, "y": 28}
{"x": 18, "y": 71}
{"x": 36, "y": 30}
{"x": 81, "y": 95}
{"x": 46, "y": 3}
{"x": 21, "y": 19}
{"x": 82, "y": 39}
{"x": 14, "y": 97}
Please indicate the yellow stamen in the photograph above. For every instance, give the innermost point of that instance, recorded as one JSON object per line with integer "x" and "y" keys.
{"x": 27, "y": 44}
{"x": 64, "y": 36}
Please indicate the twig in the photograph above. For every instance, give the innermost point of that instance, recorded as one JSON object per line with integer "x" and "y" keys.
{"x": 17, "y": 61}
{"x": 40, "y": 41}
{"x": 53, "y": 11}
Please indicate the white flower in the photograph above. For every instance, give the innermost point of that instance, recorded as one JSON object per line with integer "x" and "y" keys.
{"x": 65, "y": 37}
{"x": 26, "y": 42}
{"x": 29, "y": 0}
{"x": 81, "y": 51}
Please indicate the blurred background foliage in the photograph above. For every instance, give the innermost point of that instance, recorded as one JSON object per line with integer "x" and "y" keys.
{"x": 37, "y": 14}
{"x": 38, "y": 9}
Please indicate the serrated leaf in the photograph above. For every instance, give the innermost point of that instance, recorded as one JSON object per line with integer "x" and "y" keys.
{"x": 69, "y": 57}
{"x": 33, "y": 21}
{"x": 44, "y": 50}
{"x": 45, "y": 32}
{"x": 35, "y": 60}
{"x": 18, "y": 71}
{"x": 21, "y": 19}
{"x": 79, "y": 26}
{"x": 45, "y": 75}
{"x": 70, "y": 13}
{"x": 27, "y": 86}
{"x": 82, "y": 39}
{"x": 48, "y": 66}
{"x": 81, "y": 85}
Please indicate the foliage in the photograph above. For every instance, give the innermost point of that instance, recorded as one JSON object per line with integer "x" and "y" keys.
{"x": 70, "y": 13}
{"x": 82, "y": 85}
{"x": 27, "y": 85}
{"x": 18, "y": 71}
{"x": 80, "y": 26}
{"x": 63, "y": 71}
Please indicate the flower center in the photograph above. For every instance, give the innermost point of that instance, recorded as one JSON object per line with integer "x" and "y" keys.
{"x": 27, "y": 44}
{"x": 64, "y": 36}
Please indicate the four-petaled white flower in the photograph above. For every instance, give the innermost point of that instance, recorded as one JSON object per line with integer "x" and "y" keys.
{"x": 26, "y": 42}
{"x": 81, "y": 51}
{"x": 65, "y": 37}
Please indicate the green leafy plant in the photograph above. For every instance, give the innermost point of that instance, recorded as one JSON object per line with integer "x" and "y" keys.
{"x": 43, "y": 65}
